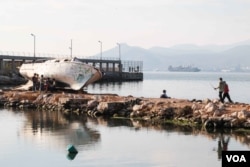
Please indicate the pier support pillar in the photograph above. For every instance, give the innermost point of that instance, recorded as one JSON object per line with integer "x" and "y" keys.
{"x": 12, "y": 64}
{"x": 101, "y": 65}
{"x": 113, "y": 68}
{"x": 1, "y": 64}
{"x": 107, "y": 66}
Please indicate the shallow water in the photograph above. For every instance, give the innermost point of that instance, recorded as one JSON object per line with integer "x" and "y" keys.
{"x": 39, "y": 138}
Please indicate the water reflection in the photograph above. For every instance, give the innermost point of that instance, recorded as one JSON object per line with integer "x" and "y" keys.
{"x": 222, "y": 135}
{"x": 124, "y": 88}
{"x": 57, "y": 131}
{"x": 52, "y": 130}
{"x": 106, "y": 86}
{"x": 222, "y": 144}
{"x": 71, "y": 156}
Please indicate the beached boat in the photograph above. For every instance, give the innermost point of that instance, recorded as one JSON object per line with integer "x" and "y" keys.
{"x": 70, "y": 72}
{"x": 183, "y": 69}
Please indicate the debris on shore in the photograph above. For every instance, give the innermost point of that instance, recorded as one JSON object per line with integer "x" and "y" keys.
{"x": 11, "y": 78}
{"x": 206, "y": 113}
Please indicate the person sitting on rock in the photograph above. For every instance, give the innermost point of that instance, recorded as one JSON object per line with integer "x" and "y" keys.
{"x": 164, "y": 94}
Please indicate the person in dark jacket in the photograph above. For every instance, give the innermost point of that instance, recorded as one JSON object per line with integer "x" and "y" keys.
{"x": 164, "y": 94}
{"x": 226, "y": 93}
{"x": 221, "y": 89}
{"x": 34, "y": 81}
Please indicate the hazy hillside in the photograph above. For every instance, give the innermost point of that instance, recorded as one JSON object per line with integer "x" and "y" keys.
{"x": 212, "y": 57}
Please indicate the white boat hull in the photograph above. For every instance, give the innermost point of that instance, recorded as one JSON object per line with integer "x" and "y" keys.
{"x": 73, "y": 73}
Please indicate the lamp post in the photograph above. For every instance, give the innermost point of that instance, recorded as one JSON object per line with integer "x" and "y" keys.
{"x": 34, "y": 44}
{"x": 101, "y": 49}
{"x": 119, "y": 46}
{"x": 70, "y": 48}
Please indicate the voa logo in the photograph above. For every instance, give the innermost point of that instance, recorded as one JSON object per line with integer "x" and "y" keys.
{"x": 236, "y": 158}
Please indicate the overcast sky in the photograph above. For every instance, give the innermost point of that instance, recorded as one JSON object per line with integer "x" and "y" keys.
{"x": 143, "y": 23}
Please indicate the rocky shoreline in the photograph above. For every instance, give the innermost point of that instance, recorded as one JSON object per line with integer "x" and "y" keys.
{"x": 210, "y": 114}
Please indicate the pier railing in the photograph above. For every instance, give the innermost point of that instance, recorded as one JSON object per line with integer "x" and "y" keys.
{"x": 29, "y": 54}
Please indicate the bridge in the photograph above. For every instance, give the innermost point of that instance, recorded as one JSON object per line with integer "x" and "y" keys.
{"x": 114, "y": 69}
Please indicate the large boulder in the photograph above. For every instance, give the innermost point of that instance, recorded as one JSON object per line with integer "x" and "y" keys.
{"x": 110, "y": 107}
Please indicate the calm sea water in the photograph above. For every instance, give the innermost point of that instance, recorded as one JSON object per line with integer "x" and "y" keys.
{"x": 40, "y": 138}
{"x": 180, "y": 85}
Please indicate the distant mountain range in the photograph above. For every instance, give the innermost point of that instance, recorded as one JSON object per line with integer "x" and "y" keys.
{"x": 234, "y": 57}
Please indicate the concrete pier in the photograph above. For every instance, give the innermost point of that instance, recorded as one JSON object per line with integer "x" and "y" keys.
{"x": 114, "y": 70}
